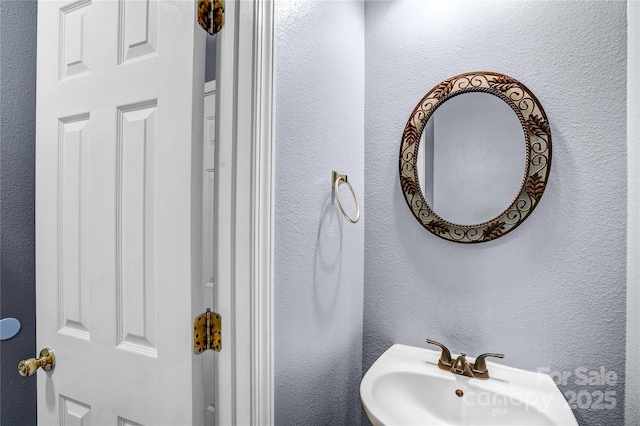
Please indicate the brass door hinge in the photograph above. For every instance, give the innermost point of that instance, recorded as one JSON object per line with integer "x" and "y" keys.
{"x": 207, "y": 332}
{"x": 211, "y": 15}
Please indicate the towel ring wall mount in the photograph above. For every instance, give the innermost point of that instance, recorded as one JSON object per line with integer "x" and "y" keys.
{"x": 338, "y": 179}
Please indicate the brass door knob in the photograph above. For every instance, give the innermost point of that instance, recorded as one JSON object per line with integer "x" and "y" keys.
{"x": 29, "y": 366}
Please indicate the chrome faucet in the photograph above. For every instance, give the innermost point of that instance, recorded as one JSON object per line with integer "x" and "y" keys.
{"x": 477, "y": 370}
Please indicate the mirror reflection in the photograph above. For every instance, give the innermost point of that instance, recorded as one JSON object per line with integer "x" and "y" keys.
{"x": 472, "y": 158}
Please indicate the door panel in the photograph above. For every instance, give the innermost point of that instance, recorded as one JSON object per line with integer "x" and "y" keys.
{"x": 119, "y": 211}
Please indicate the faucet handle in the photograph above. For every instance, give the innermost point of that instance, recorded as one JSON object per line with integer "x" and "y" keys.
{"x": 445, "y": 357}
{"x": 480, "y": 365}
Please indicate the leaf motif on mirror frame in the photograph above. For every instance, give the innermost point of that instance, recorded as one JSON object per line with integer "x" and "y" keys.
{"x": 436, "y": 227}
{"x": 408, "y": 185}
{"x": 410, "y": 135}
{"x": 443, "y": 89}
{"x": 493, "y": 230}
{"x": 503, "y": 83}
{"x": 535, "y": 186}
{"x": 538, "y": 125}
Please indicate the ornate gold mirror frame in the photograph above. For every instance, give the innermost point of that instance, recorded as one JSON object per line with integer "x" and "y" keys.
{"x": 538, "y": 155}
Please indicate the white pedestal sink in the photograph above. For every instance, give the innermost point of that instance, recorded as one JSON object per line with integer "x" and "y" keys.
{"x": 406, "y": 387}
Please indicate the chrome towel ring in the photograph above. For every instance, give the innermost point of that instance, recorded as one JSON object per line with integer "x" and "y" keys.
{"x": 338, "y": 179}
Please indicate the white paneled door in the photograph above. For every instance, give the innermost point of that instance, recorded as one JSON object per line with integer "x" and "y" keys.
{"x": 119, "y": 180}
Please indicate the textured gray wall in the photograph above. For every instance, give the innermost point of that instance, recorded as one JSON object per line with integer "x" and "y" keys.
{"x": 551, "y": 294}
{"x": 318, "y": 255}
{"x": 17, "y": 192}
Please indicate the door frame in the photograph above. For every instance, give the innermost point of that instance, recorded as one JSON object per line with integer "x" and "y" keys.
{"x": 244, "y": 217}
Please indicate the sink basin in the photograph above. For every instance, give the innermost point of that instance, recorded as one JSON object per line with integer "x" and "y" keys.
{"x": 406, "y": 387}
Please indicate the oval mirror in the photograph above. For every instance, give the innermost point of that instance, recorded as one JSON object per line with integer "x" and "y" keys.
{"x": 475, "y": 157}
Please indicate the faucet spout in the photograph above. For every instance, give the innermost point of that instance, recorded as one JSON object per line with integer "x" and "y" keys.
{"x": 461, "y": 366}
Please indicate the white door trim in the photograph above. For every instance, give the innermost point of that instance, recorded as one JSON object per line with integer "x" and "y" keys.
{"x": 245, "y": 211}
{"x": 263, "y": 215}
